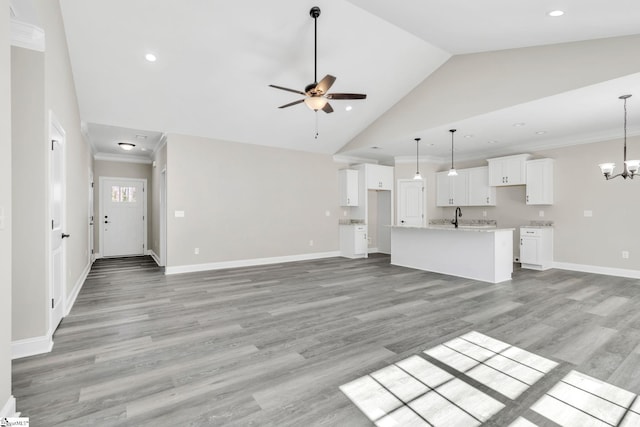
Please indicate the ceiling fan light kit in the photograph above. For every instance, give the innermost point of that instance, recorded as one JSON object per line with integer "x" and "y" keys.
{"x": 316, "y": 96}
{"x": 630, "y": 167}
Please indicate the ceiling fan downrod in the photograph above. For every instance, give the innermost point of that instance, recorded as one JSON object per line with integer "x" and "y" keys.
{"x": 315, "y": 12}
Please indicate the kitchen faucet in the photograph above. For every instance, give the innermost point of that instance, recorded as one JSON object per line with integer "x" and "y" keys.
{"x": 458, "y": 213}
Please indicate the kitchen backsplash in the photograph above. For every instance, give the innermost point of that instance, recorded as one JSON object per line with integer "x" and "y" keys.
{"x": 446, "y": 221}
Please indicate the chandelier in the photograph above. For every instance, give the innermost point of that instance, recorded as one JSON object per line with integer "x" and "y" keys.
{"x": 631, "y": 167}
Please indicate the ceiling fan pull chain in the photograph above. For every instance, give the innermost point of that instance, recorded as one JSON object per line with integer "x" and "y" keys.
{"x": 316, "y": 137}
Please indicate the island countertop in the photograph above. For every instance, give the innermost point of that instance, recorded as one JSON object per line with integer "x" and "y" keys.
{"x": 481, "y": 228}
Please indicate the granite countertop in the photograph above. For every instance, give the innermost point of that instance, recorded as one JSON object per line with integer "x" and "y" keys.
{"x": 482, "y": 229}
{"x": 538, "y": 224}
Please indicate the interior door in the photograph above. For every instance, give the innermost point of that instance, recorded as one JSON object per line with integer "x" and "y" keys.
{"x": 411, "y": 202}
{"x": 57, "y": 189}
{"x": 122, "y": 220}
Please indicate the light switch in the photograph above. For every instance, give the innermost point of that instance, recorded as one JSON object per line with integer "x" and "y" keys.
{"x": 327, "y": 213}
{"x": 179, "y": 214}
{"x": 588, "y": 213}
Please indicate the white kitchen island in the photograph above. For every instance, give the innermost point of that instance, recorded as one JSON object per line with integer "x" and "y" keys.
{"x": 484, "y": 254}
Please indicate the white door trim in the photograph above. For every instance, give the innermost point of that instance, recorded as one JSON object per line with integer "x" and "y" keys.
{"x": 101, "y": 207}
{"x": 163, "y": 217}
{"x": 56, "y": 132}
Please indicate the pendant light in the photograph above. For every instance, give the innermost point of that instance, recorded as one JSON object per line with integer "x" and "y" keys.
{"x": 631, "y": 167}
{"x": 452, "y": 171}
{"x": 417, "y": 177}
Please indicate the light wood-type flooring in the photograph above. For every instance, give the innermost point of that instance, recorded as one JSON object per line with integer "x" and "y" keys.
{"x": 271, "y": 345}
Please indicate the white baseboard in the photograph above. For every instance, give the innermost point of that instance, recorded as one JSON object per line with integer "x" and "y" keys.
{"x": 9, "y": 408}
{"x": 31, "y": 346}
{"x": 71, "y": 298}
{"x": 248, "y": 262}
{"x": 620, "y": 272}
{"x": 155, "y": 257}
{"x": 97, "y": 255}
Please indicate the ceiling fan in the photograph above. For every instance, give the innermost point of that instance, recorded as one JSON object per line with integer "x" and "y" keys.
{"x": 316, "y": 92}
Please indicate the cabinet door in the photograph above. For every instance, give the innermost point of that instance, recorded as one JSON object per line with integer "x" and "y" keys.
{"x": 480, "y": 193}
{"x": 379, "y": 177}
{"x": 460, "y": 188}
{"x": 514, "y": 171}
{"x": 443, "y": 190}
{"x": 360, "y": 243}
{"x": 496, "y": 174}
{"x": 540, "y": 182}
{"x": 348, "y": 179}
{"x": 529, "y": 250}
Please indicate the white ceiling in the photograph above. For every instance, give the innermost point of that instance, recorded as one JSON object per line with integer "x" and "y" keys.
{"x": 216, "y": 59}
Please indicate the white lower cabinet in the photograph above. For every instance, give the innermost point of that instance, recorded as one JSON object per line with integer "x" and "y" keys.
{"x": 353, "y": 241}
{"x": 536, "y": 247}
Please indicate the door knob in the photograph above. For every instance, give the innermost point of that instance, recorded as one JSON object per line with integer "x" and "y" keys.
{"x": 65, "y": 235}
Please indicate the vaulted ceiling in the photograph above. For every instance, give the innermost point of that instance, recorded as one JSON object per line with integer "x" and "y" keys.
{"x": 215, "y": 60}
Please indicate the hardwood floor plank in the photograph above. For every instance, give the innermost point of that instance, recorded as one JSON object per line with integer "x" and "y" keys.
{"x": 270, "y": 345}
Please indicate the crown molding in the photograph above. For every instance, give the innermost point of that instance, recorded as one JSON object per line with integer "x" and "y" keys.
{"x": 423, "y": 159}
{"x": 27, "y": 36}
{"x": 352, "y": 159}
{"x": 121, "y": 158}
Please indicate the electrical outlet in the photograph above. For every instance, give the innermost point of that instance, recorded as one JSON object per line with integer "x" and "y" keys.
{"x": 327, "y": 213}
{"x": 484, "y": 214}
{"x": 588, "y": 213}
{"x": 196, "y": 251}
{"x": 625, "y": 254}
{"x": 541, "y": 214}
{"x": 344, "y": 213}
{"x": 310, "y": 242}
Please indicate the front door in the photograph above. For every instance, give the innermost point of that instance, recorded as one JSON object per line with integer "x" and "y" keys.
{"x": 122, "y": 216}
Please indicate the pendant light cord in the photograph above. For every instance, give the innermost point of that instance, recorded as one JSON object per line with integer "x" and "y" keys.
{"x": 452, "y": 131}
{"x": 417, "y": 156}
{"x": 625, "y": 134}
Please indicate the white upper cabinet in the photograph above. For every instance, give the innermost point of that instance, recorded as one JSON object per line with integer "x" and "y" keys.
{"x": 540, "y": 182}
{"x": 379, "y": 177}
{"x": 510, "y": 170}
{"x": 348, "y": 181}
{"x": 452, "y": 190}
{"x": 480, "y": 193}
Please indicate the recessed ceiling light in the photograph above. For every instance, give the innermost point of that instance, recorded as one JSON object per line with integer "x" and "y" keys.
{"x": 150, "y": 57}
{"x": 555, "y": 13}
{"x": 493, "y": 141}
{"x": 143, "y": 149}
{"x": 126, "y": 146}
{"x": 541, "y": 132}
{"x": 468, "y": 136}
{"x": 375, "y": 147}
{"x": 348, "y": 108}
{"x": 431, "y": 144}
{"x": 138, "y": 136}
{"x": 518, "y": 125}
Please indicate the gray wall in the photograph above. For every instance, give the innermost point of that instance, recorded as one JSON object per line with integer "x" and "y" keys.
{"x": 30, "y": 196}
{"x": 243, "y": 201}
{"x": 473, "y": 84}
{"x": 120, "y": 170}
{"x": 5, "y": 205}
{"x": 30, "y": 320}
{"x": 578, "y": 186}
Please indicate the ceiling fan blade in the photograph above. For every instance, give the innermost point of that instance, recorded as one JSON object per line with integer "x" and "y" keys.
{"x": 291, "y": 103}
{"x": 325, "y": 84}
{"x": 288, "y": 90}
{"x": 346, "y": 96}
{"x": 327, "y": 108}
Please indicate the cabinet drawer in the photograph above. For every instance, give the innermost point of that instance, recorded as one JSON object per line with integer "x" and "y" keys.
{"x": 531, "y": 232}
